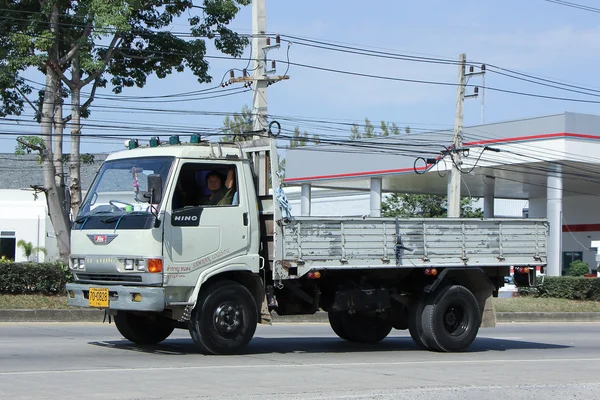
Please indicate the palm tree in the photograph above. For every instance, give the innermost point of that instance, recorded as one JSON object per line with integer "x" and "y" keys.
{"x": 29, "y": 249}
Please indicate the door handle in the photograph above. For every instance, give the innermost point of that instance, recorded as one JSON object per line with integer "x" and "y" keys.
{"x": 245, "y": 218}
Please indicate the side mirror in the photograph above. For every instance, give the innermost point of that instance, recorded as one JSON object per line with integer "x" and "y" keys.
{"x": 154, "y": 193}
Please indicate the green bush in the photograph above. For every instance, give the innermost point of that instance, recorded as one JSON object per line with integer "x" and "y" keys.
{"x": 570, "y": 287}
{"x": 29, "y": 278}
{"x": 578, "y": 268}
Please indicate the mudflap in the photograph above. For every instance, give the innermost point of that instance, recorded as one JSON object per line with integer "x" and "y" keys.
{"x": 488, "y": 318}
{"x": 265, "y": 315}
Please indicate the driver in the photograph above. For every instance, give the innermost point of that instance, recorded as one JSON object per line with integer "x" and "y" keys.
{"x": 221, "y": 188}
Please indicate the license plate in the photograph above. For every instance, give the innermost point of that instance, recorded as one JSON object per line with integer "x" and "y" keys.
{"x": 98, "y": 297}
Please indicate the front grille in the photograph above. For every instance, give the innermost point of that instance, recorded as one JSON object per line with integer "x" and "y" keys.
{"x": 108, "y": 278}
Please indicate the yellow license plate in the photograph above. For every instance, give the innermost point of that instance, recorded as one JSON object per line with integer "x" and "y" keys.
{"x": 98, "y": 297}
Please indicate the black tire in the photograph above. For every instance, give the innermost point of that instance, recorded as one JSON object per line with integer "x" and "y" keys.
{"x": 365, "y": 328}
{"x": 336, "y": 321}
{"x": 224, "y": 319}
{"x": 415, "y": 325}
{"x": 451, "y": 320}
{"x": 144, "y": 329}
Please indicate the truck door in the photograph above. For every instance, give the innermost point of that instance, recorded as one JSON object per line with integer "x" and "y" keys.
{"x": 206, "y": 222}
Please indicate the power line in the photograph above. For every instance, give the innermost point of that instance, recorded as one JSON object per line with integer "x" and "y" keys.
{"x": 575, "y": 5}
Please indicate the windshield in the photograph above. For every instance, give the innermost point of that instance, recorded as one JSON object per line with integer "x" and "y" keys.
{"x": 120, "y": 184}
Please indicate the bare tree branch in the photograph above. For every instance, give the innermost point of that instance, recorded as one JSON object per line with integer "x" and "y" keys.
{"x": 39, "y": 188}
{"x": 27, "y": 100}
{"x": 69, "y": 56}
{"x": 116, "y": 41}
{"x": 85, "y": 105}
{"x": 30, "y": 145}
{"x": 92, "y": 94}
{"x": 62, "y": 76}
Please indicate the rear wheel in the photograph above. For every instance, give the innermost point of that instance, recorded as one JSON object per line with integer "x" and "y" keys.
{"x": 225, "y": 318}
{"x": 361, "y": 327}
{"x": 143, "y": 328}
{"x": 451, "y": 320}
{"x": 415, "y": 325}
{"x": 337, "y": 324}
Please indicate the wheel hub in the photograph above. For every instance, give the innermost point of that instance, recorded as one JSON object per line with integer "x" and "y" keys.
{"x": 228, "y": 317}
{"x": 454, "y": 320}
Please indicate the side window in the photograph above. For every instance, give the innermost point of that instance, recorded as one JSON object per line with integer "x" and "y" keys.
{"x": 206, "y": 185}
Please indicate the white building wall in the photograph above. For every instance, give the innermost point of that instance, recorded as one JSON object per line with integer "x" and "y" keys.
{"x": 21, "y": 213}
{"x": 325, "y": 202}
{"x": 505, "y": 208}
{"x": 577, "y": 210}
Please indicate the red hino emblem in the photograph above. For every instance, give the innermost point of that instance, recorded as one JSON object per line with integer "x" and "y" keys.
{"x": 101, "y": 239}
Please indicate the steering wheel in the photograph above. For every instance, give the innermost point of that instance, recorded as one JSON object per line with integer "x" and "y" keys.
{"x": 112, "y": 203}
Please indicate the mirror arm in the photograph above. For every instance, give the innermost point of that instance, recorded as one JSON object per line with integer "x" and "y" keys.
{"x": 153, "y": 211}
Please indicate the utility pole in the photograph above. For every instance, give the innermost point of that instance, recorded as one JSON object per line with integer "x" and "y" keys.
{"x": 454, "y": 178}
{"x": 259, "y": 42}
{"x": 260, "y": 80}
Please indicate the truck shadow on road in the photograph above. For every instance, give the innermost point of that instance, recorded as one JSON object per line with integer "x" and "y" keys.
{"x": 264, "y": 345}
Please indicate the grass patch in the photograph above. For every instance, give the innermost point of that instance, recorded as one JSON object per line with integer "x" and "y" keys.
{"x": 32, "y": 301}
{"x": 539, "y": 304}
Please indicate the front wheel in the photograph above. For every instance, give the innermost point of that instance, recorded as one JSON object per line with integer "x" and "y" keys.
{"x": 451, "y": 320}
{"x": 224, "y": 319}
{"x": 144, "y": 329}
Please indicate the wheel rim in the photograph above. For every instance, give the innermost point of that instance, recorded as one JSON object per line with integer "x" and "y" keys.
{"x": 456, "y": 320}
{"x": 228, "y": 318}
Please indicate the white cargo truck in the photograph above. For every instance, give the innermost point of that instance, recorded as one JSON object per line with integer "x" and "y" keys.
{"x": 198, "y": 236}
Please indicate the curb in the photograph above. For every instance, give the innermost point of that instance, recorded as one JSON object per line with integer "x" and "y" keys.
{"x": 85, "y": 315}
{"x": 548, "y": 317}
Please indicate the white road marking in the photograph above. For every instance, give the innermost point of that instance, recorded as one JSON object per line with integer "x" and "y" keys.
{"x": 315, "y": 365}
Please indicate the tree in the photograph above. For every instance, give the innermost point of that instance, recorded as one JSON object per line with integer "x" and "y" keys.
{"x": 29, "y": 249}
{"x": 578, "y": 268}
{"x": 75, "y": 44}
{"x": 369, "y": 131}
{"x": 236, "y": 129}
{"x": 425, "y": 206}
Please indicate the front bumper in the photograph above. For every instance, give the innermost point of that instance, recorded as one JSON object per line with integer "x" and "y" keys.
{"x": 120, "y": 297}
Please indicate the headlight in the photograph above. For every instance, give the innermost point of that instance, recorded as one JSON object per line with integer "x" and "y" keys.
{"x": 140, "y": 263}
{"x": 77, "y": 263}
{"x": 128, "y": 264}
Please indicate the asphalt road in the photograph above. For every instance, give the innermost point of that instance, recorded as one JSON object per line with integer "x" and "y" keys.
{"x": 298, "y": 361}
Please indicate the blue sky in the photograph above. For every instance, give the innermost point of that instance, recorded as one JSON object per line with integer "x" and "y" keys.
{"x": 533, "y": 36}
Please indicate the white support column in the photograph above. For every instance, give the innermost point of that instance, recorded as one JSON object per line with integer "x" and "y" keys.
{"x": 375, "y": 197}
{"x": 554, "y": 215}
{"x": 488, "y": 198}
{"x": 305, "y": 200}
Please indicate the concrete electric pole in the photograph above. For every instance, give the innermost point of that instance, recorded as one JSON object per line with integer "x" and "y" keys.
{"x": 454, "y": 179}
{"x": 259, "y": 42}
{"x": 261, "y": 78}
{"x": 259, "y": 81}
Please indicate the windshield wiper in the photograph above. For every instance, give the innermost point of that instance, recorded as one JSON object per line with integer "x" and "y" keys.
{"x": 85, "y": 217}
{"x": 118, "y": 217}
